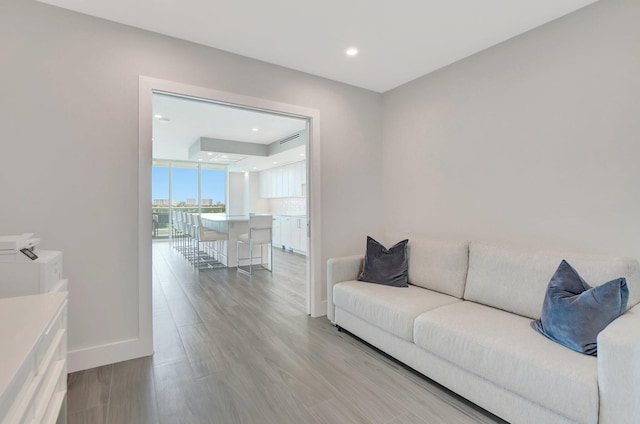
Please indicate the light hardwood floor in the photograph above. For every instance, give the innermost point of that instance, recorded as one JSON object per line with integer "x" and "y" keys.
{"x": 230, "y": 349}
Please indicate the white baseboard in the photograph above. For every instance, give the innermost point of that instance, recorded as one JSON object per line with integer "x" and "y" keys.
{"x": 322, "y": 310}
{"x": 97, "y": 356}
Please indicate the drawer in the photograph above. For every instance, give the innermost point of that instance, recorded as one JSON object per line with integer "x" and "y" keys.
{"x": 56, "y": 401}
{"x": 49, "y": 337}
{"x": 10, "y": 404}
{"x": 26, "y": 413}
{"x": 46, "y": 398}
{"x": 40, "y": 387}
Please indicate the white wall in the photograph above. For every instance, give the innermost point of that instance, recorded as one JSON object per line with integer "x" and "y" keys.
{"x": 257, "y": 204}
{"x": 237, "y": 193}
{"x": 69, "y": 111}
{"x": 534, "y": 142}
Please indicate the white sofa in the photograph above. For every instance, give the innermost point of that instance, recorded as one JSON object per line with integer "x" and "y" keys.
{"x": 464, "y": 322}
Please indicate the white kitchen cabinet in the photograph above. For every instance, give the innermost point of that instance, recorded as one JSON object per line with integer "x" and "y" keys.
{"x": 286, "y": 231}
{"x": 296, "y": 178}
{"x": 283, "y": 181}
{"x": 275, "y": 231}
{"x": 291, "y": 233}
{"x": 299, "y": 234}
{"x": 278, "y": 190}
{"x": 262, "y": 184}
{"x": 266, "y": 185}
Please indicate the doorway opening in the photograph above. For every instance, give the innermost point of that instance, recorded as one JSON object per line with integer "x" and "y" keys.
{"x": 288, "y": 189}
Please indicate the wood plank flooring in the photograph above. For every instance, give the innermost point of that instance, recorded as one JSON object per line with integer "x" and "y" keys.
{"x": 234, "y": 349}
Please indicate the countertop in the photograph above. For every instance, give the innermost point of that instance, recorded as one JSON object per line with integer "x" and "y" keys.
{"x": 223, "y": 217}
{"x": 22, "y": 321}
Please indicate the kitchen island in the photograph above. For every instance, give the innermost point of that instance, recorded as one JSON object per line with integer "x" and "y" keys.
{"x": 233, "y": 226}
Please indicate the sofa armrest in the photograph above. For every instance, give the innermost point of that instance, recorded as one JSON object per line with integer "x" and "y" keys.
{"x": 346, "y": 268}
{"x": 619, "y": 369}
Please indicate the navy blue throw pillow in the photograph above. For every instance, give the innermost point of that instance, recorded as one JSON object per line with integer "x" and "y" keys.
{"x": 386, "y": 266}
{"x": 574, "y": 313}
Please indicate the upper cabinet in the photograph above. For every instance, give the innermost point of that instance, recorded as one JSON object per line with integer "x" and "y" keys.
{"x": 283, "y": 181}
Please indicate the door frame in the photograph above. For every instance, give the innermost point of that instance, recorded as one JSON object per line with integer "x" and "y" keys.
{"x": 149, "y": 85}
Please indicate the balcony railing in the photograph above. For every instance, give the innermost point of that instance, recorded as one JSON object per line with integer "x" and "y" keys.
{"x": 161, "y": 221}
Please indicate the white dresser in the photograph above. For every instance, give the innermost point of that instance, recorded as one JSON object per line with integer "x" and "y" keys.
{"x": 20, "y": 276}
{"x": 33, "y": 371}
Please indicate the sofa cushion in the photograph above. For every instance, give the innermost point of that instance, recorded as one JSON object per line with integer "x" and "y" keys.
{"x": 516, "y": 280}
{"x": 501, "y": 347}
{"x": 389, "y": 308}
{"x": 437, "y": 264}
{"x": 574, "y": 313}
{"x": 385, "y": 266}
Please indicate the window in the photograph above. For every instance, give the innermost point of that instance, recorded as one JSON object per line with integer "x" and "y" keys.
{"x": 160, "y": 203}
{"x": 185, "y": 186}
{"x": 212, "y": 189}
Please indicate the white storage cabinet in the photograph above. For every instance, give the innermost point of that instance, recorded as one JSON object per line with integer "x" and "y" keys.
{"x": 33, "y": 375}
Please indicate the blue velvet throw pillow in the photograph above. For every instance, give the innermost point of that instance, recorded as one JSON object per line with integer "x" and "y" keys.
{"x": 574, "y": 313}
{"x": 386, "y": 266}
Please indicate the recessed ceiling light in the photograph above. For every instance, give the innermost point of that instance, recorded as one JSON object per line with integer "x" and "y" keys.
{"x": 302, "y": 154}
{"x": 254, "y": 129}
{"x": 157, "y": 116}
{"x": 255, "y": 167}
{"x": 210, "y": 153}
{"x": 275, "y": 163}
{"x": 352, "y": 51}
{"x": 199, "y": 160}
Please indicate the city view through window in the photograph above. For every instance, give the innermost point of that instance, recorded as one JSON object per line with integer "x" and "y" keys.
{"x": 184, "y": 186}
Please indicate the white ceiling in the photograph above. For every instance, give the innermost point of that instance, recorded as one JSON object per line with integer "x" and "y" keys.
{"x": 179, "y": 122}
{"x": 398, "y": 40}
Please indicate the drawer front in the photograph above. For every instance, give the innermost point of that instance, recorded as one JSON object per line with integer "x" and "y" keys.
{"x": 57, "y": 326}
{"x": 10, "y": 402}
{"x": 26, "y": 412}
{"x": 52, "y": 410}
{"x": 46, "y": 398}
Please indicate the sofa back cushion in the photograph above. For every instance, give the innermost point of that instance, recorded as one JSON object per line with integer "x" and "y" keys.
{"x": 515, "y": 280}
{"x": 435, "y": 264}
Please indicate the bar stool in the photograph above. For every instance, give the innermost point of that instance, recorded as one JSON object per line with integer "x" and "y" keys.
{"x": 182, "y": 230}
{"x": 192, "y": 233}
{"x": 259, "y": 234}
{"x": 174, "y": 228}
{"x": 207, "y": 235}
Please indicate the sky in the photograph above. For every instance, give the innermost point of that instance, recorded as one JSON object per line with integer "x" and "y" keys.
{"x": 185, "y": 184}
